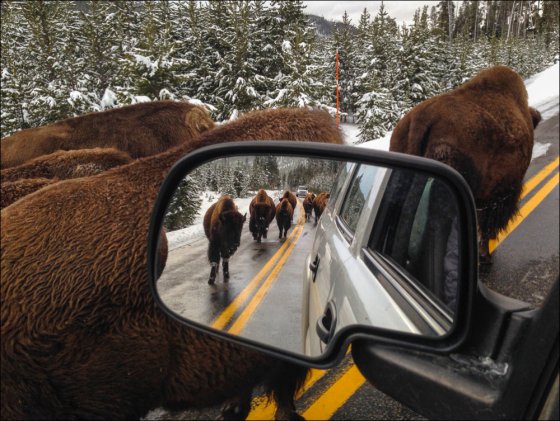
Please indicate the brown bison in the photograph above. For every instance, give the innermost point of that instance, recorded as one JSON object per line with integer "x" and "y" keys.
{"x": 262, "y": 211}
{"x": 308, "y": 205}
{"x": 222, "y": 225}
{"x": 483, "y": 129}
{"x": 81, "y": 335}
{"x": 291, "y": 198}
{"x": 319, "y": 204}
{"x": 15, "y": 190}
{"x": 67, "y": 164}
{"x": 284, "y": 216}
{"x": 140, "y": 130}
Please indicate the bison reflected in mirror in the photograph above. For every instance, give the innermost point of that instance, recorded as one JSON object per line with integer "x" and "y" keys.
{"x": 222, "y": 226}
{"x": 262, "y": 212}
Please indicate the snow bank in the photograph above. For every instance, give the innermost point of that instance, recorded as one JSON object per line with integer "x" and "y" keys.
{"x": 543, "y": 91}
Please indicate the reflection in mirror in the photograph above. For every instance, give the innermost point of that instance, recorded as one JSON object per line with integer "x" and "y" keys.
{"x": 288, "y": 251}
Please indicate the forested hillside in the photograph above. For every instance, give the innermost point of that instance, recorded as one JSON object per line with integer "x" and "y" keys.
{"x": 59, "y": 60}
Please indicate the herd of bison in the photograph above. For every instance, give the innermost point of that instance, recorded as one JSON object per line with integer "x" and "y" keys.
{"x": 223, "y": 223}
{"x": 81, "y": 334}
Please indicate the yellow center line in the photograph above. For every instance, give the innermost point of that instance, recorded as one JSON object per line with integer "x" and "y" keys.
{"x": 524, "y": 212}
{"x": 223, "y": 319}
{"x": 265, "y": 409}
{"x": 540, "y": 176}
{"x": 243, "y": 318}
{"x": 330, "y": 401}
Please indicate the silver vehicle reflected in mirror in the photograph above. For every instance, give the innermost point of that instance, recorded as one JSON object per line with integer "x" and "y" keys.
{"x": 378, "y": 247}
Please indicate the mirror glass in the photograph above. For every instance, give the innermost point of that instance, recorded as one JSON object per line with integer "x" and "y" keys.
{"x": 288, "y": 251}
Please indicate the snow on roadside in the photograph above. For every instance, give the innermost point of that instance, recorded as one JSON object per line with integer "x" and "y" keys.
{"x": 543, "y": 91}
{"x": 542, "y": 88}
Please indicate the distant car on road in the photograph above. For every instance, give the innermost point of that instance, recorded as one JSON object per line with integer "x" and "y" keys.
{"x": 301, "y": 191}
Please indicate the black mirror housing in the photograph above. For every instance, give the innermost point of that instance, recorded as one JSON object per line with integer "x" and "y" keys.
{"x": 337, "y": 347}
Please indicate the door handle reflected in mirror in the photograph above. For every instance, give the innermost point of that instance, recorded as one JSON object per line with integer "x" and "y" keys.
{"x": 327, "y": 323}
{"x": 313, "y": 266}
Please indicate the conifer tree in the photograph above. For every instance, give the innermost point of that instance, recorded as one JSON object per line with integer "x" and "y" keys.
{"x": 184, "y": 205}
{"x": 16, "y": 74}
{"x": 51, "y": 42}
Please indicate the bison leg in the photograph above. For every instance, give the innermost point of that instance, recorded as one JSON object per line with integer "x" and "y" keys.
{"x": 484, "y": 256}
{"x": 237, "y": 409}
{"x": 213, "y": 271}
{"x": 226, "y": 269}
{"x": 265, "y": 232}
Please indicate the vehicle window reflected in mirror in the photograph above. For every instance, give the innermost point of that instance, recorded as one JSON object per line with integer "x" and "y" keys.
{"x": 249, "y": 250}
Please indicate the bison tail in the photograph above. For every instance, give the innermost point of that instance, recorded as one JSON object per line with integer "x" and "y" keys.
{"x": 535, "y": 116}
{"x": 410, "y": 135}
{"x": 494, "y": 215}
{"x": 282, "y": 385}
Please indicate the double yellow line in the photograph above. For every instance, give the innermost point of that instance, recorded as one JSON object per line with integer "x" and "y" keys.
{"x": 532, "y": 203}
{"x": 274, "y": 265}
{"x": 351, "y": 380}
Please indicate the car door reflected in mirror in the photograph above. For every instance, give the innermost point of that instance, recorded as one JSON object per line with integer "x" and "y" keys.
{"x": 248, "y": 253}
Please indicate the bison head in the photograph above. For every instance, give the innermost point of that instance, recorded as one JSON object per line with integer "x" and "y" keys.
{"x": 261, "y": 217}
{"x": 231, "y": 224}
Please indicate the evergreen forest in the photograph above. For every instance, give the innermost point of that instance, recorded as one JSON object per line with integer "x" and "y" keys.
{"x": 61, "y": 58}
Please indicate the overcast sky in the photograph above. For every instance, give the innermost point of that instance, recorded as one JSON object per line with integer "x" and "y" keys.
{"x": 402, "y": 11}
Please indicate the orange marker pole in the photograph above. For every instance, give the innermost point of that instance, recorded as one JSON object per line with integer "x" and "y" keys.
{"x": 337, "y": 101}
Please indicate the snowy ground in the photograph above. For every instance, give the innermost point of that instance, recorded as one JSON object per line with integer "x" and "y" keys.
{"x": 195, "y": 232}
{"x": 543, "y": 90}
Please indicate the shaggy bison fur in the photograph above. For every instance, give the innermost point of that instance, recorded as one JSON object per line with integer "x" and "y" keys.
{"x": 308, "y": 205}
{"x": 291, "y": 198}
{"x": 319, "y": 204}
{"x": 222, "y": 225}
{"x": 140, "y": 130}
{"x": 284, "y": 216}
{"x": 15, "y": 190}
{"x": 261, "y": 211}
{"x": 81, "y": 334}
{"x": 67, "y": 164}
{"x": 483, "y": 129}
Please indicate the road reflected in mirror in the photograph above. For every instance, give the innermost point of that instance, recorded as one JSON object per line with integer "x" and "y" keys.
{"x": 288, "y": 251}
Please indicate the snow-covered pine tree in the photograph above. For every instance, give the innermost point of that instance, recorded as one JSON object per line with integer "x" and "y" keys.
{"x": 50, "y": 56}
{"x": 225, "y": 180}
{"x": 294, "y": 85}
{"x": 240, "y": 180}
{"x": 418, "y": 58}
{"x": 151, "y": 67}
{"x": 344, "y": 42}
{"x": 16, "y": 74}
{"x": 237, "y": 84}
{"x": 184, "y": 205}
{"x": 99, "y": 54}
{"x": 378, "y": 108}
{"x": 364, "y": 53}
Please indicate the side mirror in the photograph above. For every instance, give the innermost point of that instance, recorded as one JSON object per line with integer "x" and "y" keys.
{"x": 386, "y": 250}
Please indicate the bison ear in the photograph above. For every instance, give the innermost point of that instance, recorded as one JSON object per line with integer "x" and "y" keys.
{"x": 245, "y": 217}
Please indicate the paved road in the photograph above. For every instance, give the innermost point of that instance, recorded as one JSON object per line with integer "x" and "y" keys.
{"x": 526, "y": 263}
{"x": 268, "y": 274}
